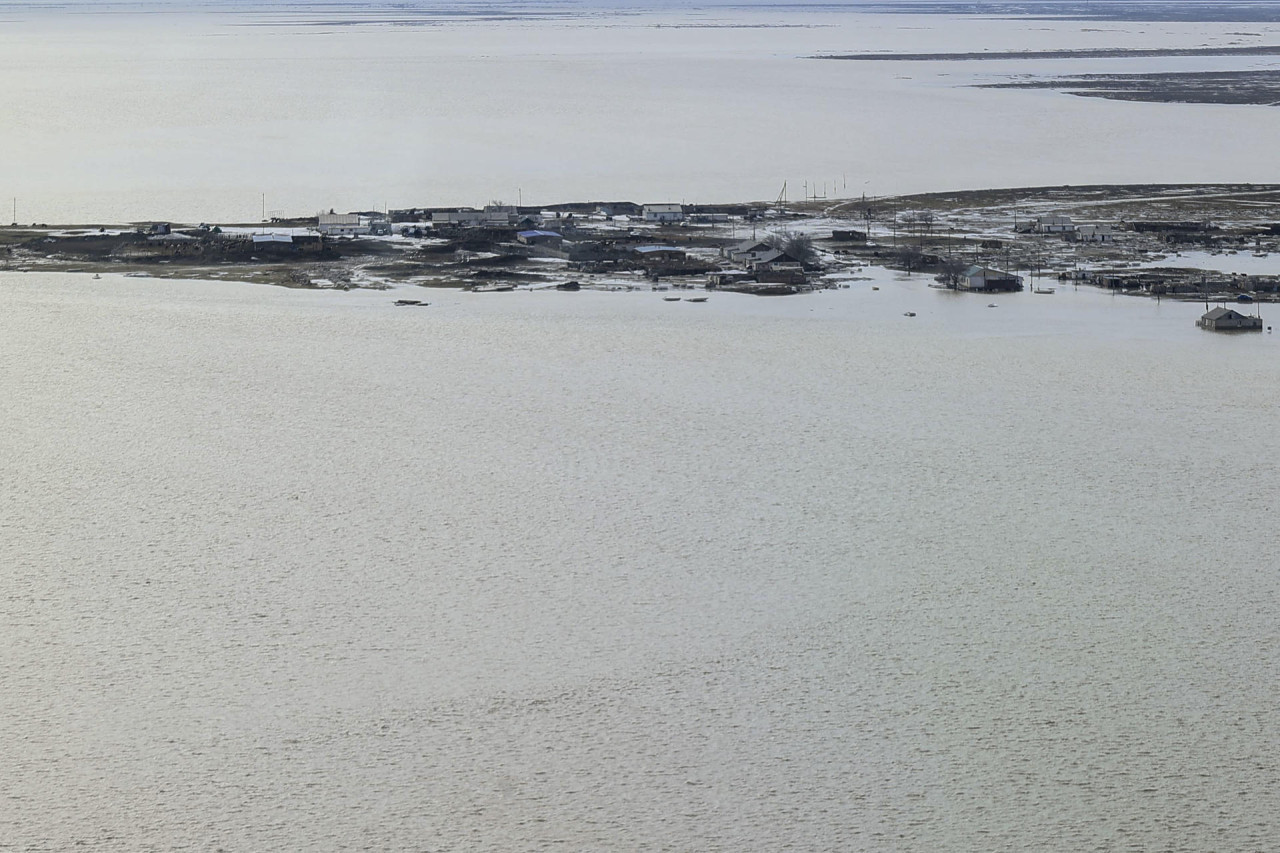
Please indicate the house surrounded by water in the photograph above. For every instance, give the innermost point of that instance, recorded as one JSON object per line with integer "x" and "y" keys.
{"x": 1229, "y": 320}
{"x": 989, "y": 280}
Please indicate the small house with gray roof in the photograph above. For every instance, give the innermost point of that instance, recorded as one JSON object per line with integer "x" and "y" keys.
{"x": 1228, "y": 320}
{"x": 989, "y": 280}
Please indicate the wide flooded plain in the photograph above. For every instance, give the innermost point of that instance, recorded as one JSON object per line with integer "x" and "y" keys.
{"x": 292, "y": 570}
{"x": 172, "y": 111}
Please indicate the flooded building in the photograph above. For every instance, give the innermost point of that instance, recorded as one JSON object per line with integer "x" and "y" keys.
{"x": 989, "y": 280}
{"x": 1228, "y": 320}
{"x": 779, "y": 267}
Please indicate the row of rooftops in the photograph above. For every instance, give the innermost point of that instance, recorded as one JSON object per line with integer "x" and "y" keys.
{"x": 750, "y": 253}
{"x": 1061, "y": 224}
{"x": 509, "y": 214}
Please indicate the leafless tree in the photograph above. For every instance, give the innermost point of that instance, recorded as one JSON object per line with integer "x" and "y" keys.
{"x": 951, "y": 271}
{"x": 795, "y": 244}
{"x": 910, "y": 258}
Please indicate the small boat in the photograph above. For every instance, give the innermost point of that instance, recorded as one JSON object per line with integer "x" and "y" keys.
{"x": 418, "y": 302}
{"x": 569, "y": 285}
{"x": 695, "y": 299}
{"x": 875, "y": 288}
{"x": 671, "y": 299}
{"x": 908, "y": 314}
{"x": 96, "y": 277}
{"x": 492, "y": 288}
{"x": 992, "y": 305}
{"x": 1043, "y": 290}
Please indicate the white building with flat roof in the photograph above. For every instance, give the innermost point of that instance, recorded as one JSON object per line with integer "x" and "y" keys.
{"x": 664, "y": 213}
{"x": 465, "y": 216}
{"x": 342, "y": 224}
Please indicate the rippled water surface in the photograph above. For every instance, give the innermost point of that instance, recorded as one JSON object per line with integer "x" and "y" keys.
{"x": 287, "y": 570}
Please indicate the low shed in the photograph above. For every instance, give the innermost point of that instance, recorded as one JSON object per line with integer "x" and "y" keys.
{"x": 540, "y": 238}
{"x": 660, "y": 254}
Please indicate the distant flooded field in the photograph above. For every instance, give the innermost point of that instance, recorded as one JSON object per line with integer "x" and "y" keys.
{"x": 192, "y": 115}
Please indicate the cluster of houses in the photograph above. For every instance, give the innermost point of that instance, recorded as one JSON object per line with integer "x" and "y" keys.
{"x": 506, "y": 215}
{"x": 761, "y": 262}
{"x": 1068, "y": 230}
{"x": 534, "y": 234}
{"x": 1168, "y": 231}
{"x": 352, "y": 224}
{"x": 494, "y": 215}
{"x": 750, "y": 264}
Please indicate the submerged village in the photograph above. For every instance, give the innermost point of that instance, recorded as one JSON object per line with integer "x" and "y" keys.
{"x": 1216, "y": 244}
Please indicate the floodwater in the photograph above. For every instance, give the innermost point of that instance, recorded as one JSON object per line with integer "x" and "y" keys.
{"x": 165, "y": 111}
{"x": 1240, "y": 263}
{"x": 527, "y": 571}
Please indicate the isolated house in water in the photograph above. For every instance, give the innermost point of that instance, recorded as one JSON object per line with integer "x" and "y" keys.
{"x": 778, "y": 266}
{"x": 984, "y": 279}
{"x": 1227, "y": 320}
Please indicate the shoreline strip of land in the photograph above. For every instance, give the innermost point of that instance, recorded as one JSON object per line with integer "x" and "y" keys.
{"x": 1081, "y": 53}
